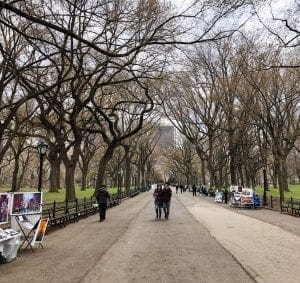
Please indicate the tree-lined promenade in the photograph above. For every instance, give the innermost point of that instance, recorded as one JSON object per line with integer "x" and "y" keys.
{"x": 94, "y": 79}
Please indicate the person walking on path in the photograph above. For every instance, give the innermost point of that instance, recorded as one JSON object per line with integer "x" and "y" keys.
{"x": 181, "y": 188}
{"x": 194, "y": 190}
{"x": 157, "y": 201}
{"x": 102, "y": 197}
{"x": 225, "y": 195}
{"x": 165, "y": 198}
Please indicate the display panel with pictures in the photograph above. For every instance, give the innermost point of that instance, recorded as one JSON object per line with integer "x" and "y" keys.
{"x": 4, "y": 207}
{"x": 26, "y": 203}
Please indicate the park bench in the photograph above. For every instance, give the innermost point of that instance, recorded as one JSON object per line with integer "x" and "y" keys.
{"x": 85, "y": 207}
{"x": 291, "y": 207}
{"x": 286, "y": 207}
{"x": 58, "y": 216}
{"x": 55, "y": 212}
{"x": 113, "y": 201}
{"x": 296, "y": 208}
{"x": 71, "y": 211}
{"x": 47, "y": 210}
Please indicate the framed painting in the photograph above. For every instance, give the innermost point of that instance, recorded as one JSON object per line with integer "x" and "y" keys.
{"x": 26, "y": 203}
{"x": 4, "y": 207}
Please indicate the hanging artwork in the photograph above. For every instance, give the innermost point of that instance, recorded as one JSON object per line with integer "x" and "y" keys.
{"x": 26, "y": 203}
{"x": 4, "y": 207}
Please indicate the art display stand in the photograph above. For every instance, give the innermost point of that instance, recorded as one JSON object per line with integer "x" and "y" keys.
{"x": 27, "y": 227}
{"x": 28, "y": 231}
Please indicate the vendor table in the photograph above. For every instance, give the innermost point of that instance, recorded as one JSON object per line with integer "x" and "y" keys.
{"x": 9, "y": 245}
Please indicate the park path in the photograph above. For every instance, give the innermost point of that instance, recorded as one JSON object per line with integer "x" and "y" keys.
{"x": 175, "y": 250}
{"x": 201, "y": 242}
{"x": 268, "y": 252}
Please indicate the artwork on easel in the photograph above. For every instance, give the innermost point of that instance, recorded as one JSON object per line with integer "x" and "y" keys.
{"x": 40, "y": 231}
{"x": 26, "y": 203}
{"x": 4, "y": 207}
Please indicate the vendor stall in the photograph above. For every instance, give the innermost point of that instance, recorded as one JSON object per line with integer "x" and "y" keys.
{"x": 218, "y": 196}
{"x": 241, "y": 197}
{"x": 247, "y": 198}
{"x": 236, "y": 194}
{"x": 9, "y": 245}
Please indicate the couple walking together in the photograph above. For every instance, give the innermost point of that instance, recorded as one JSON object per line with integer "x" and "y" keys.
{"x": 162, "y": 200}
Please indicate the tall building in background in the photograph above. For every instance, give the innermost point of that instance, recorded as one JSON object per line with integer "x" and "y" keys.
{"x": 167, "y": 136}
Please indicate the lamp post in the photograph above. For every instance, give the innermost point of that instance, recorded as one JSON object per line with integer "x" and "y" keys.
{"x": 42, "y": 149}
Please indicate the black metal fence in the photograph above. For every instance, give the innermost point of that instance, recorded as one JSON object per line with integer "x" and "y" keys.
{"x": 274, "y": 202}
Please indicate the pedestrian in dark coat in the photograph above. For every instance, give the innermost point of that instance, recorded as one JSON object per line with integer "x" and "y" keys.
{"x": 102, "y": 197}
{"x": 225, "y": 195}
{"x": 194, "y": 190}
{"x": 157, "y": 201}
{"x": 165, "y": 197}
{"x": 181, "y": 188}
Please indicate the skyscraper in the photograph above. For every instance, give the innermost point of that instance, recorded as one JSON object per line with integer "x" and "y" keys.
{"x": 167, "y": 136}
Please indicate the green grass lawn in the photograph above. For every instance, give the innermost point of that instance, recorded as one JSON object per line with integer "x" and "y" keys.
{"x": 294, "y": 191}
{"x": 60, "y": 196}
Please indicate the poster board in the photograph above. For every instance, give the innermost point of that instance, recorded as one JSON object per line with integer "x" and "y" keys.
{"x": 4, "y": 207}
{"x": 236, "y": 194}
{"x": 247, "y": 197}
{"x": 219, "y": 197}
{"x": 26, "y": 203}
{"x": 40, "y": 231}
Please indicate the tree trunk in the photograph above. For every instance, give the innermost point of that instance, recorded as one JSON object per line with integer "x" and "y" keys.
{"x": 54, "y": 178}
{"x": 69, "y": 180}
{"x": 241, "y": 176}
{"x": 232, "y": 170}
{"x": 277, "y": 167}
{"x": 219, "y": 180}
{"x": 84, "y": 173}
{"x": 127, "y": 173}
{"x": 139, "y": 176}
{"x": 284, "y": 175}
{"x": 102, "y": 166}
{"x": 70, "y": 163}
{"x": 143, "y": 184}
{"x": 14, "y": 185}
{"x": 203, "y": 175}
{"x": 275, "y": 176}
{"x": 21, "y": 177}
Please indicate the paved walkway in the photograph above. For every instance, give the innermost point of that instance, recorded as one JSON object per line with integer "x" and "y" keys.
{"x": 268, "y": 252}
{"x": 173, "y": 250}
{"x": 284, "y": 220}
{"x": 201, "y": 242}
